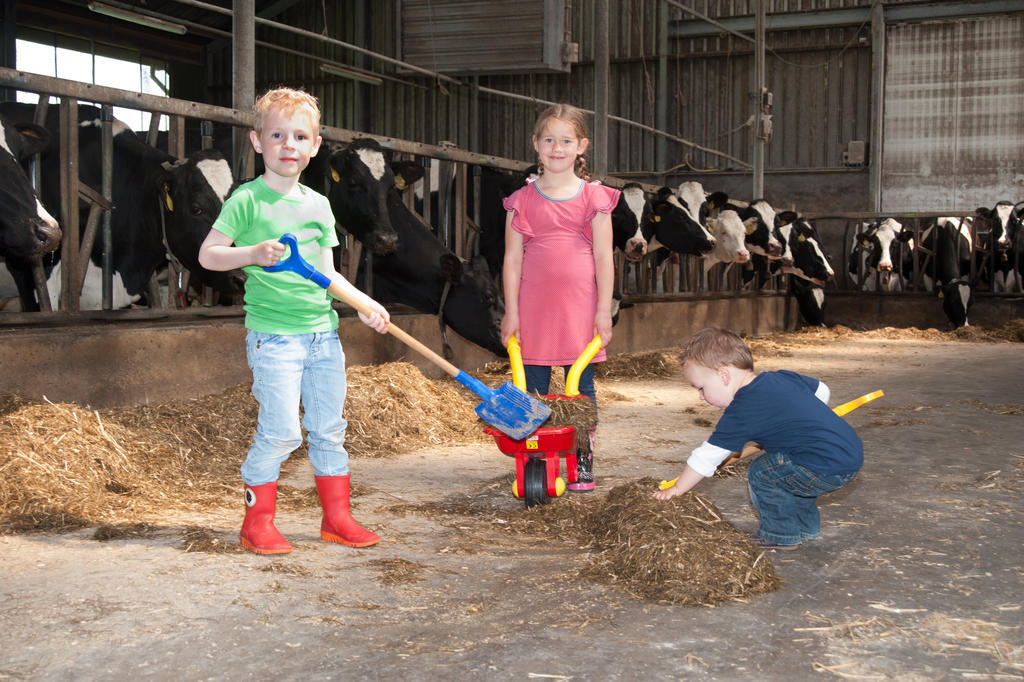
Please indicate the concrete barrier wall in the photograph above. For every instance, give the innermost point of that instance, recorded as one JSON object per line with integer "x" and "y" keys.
{"x": 128, "y": 363}
{"x": 112, "y": 364}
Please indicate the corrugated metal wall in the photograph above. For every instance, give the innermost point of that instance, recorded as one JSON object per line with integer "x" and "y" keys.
{"x": 820, "y": 80}
{"x": 954, "y": 114}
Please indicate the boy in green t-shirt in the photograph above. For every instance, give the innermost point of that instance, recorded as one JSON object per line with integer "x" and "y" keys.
{"x": 292, "y": 343}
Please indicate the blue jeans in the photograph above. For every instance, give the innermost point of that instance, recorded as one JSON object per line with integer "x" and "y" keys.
{"x": 287, "y": 370}
{"x": 785, "y": 496}
{"x": 538, "y": 378}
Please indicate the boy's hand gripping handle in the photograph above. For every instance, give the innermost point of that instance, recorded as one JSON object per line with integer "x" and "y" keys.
{"x": 297, "y": 264}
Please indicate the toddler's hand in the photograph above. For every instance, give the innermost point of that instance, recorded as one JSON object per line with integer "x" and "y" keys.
{"x": 267, "y": 253}
{"x": 667, "y": 493}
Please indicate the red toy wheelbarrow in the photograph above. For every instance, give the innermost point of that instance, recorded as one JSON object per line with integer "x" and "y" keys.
{"x": 537, "y": 456}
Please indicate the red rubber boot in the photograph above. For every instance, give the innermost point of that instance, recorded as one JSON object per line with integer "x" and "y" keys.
{"x": 338, "y": 524}
{"x": 258, "y": 532}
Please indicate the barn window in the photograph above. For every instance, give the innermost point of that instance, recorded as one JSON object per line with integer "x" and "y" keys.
{"x": 81, "y": 61}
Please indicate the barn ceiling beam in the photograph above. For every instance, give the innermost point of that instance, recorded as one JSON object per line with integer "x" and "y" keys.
{"x": 854, "y": 16}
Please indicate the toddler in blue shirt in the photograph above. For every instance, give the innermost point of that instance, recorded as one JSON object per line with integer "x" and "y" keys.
{"x": 807, "y": 449}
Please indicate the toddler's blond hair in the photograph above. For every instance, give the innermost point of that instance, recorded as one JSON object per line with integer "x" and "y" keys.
{"x": 713, "y": 347}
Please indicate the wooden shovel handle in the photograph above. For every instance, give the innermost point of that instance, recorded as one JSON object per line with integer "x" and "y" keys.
{"x": 393, "y": 329}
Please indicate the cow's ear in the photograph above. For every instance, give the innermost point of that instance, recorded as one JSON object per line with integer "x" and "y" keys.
{"x": 717, "y": 200}
{"x": 905, "y": 235}
{"x": 750, "y": 224}
{"x": 786, "y": 217}
{"x": 451, "y": 266}
{"x": 34, "y": 139}
{"x": 406, "y": 173}
{"x": 712, "y": 224}
{"x": 983, "y": 212}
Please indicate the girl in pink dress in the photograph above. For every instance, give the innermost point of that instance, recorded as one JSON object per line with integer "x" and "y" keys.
{"x": 558, "y": 271}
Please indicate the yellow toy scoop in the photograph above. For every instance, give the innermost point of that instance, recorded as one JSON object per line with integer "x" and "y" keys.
{"x": 840, "y": 410}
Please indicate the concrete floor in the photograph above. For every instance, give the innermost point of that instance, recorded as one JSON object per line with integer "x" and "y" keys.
{"x": 918, "y": 575}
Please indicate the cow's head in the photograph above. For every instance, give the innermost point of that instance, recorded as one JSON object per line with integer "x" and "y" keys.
{"x": 675, "y": 221}
{"x": 808, "y": 257}
{"x": 626, "y": 217}
{"x": 782, "y": 220}
{"x": 879, "y": 241}
{"x": 473, "y": 306}
{"x": 730, "y": 232}
{"x": 27, "y": 231}
{"x": 760, "y": 238}
{"x": 362, "y": 183}
{"x": 1005, "y": 222}
{"x": 191, "y": 194}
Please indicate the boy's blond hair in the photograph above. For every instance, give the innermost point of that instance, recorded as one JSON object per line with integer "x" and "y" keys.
{"x": 713, "y": 347}
{"x": 287, "y": 101}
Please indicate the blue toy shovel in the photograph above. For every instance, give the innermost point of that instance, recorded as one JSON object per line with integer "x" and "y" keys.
{"x": 506, "y": 408}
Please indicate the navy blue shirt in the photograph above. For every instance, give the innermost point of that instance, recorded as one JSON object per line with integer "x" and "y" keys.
{"x": 780, "y": 411}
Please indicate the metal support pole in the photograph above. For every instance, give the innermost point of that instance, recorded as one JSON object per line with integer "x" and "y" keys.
{"x": 759, "y": 141}
{"x": 601, "y": 75}
{"x": 877, "y": 107}
{"x": 243, "y": 22}
{"x": 107, "y": 189}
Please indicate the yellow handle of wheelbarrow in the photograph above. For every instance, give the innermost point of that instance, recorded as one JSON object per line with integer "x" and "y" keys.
{"x": 840, "y": 410}
{"x": 572, "y": 379}
{"x": 515, "y": 359}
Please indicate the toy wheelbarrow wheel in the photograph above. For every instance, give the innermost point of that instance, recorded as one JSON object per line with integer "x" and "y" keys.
{"x": 535, "y": 483}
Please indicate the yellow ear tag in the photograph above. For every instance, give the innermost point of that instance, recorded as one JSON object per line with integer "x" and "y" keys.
{"x": 655, "y": 218}
{"x": 751, "y": 228}
{"x": 801, "y": 238}
{"x": 335, "y": 176}
{"x": 400, "y": 183}
{"x": 864, "y": 242}
{"x": 940, "y": 294}
{"x": 167, "y": 199}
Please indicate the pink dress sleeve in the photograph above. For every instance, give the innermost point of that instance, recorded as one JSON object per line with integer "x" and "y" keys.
{"x": 514, "y": 203}
{"x": 600, "y": 199}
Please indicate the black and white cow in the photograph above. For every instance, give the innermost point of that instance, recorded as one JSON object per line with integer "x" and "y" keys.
{"x": 676, "y": 223}
{"x": 27, "y": 230}
{"x": 416, "y": 269}
{"x": 759, "y": 219}
{"x": 949, "y": 243}
{"x": 159, "y": 203}
{"x": 627, "y": 223}
{"x": 730, "y": 244}
{"x": 810, "y": 269}
{"x": 877, "y": 256}
{"x": 1005, "y": 221}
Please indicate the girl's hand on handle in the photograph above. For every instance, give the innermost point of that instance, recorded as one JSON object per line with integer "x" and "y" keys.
{"x": 603, "y": 326}
{"x": 509, "y": 326}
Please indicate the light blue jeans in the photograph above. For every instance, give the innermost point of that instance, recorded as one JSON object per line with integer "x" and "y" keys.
{"x": 786, "y": 497}
{"x": 287, "y": 370}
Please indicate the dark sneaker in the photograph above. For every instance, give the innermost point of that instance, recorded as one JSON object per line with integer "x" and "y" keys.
{"x": 765, "y": 544}
{"x": 584, "y": 473}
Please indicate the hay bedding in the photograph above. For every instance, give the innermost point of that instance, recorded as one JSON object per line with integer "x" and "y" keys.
{"x": 677, "y": 552}
{"x": 64, "y": 466}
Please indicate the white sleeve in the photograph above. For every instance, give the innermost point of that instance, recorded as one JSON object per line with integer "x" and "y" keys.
{"x": 705, "y": 458}
{"x": 823, "y": 393}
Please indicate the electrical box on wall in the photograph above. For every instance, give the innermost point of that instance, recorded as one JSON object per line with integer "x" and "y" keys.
{"x": 472, "y": 37}
{"x": 855, "y": 153}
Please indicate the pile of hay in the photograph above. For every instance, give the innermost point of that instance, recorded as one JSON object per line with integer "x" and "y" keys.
{"x": 65, "y": 466}
{"x": 680, "y": 552}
